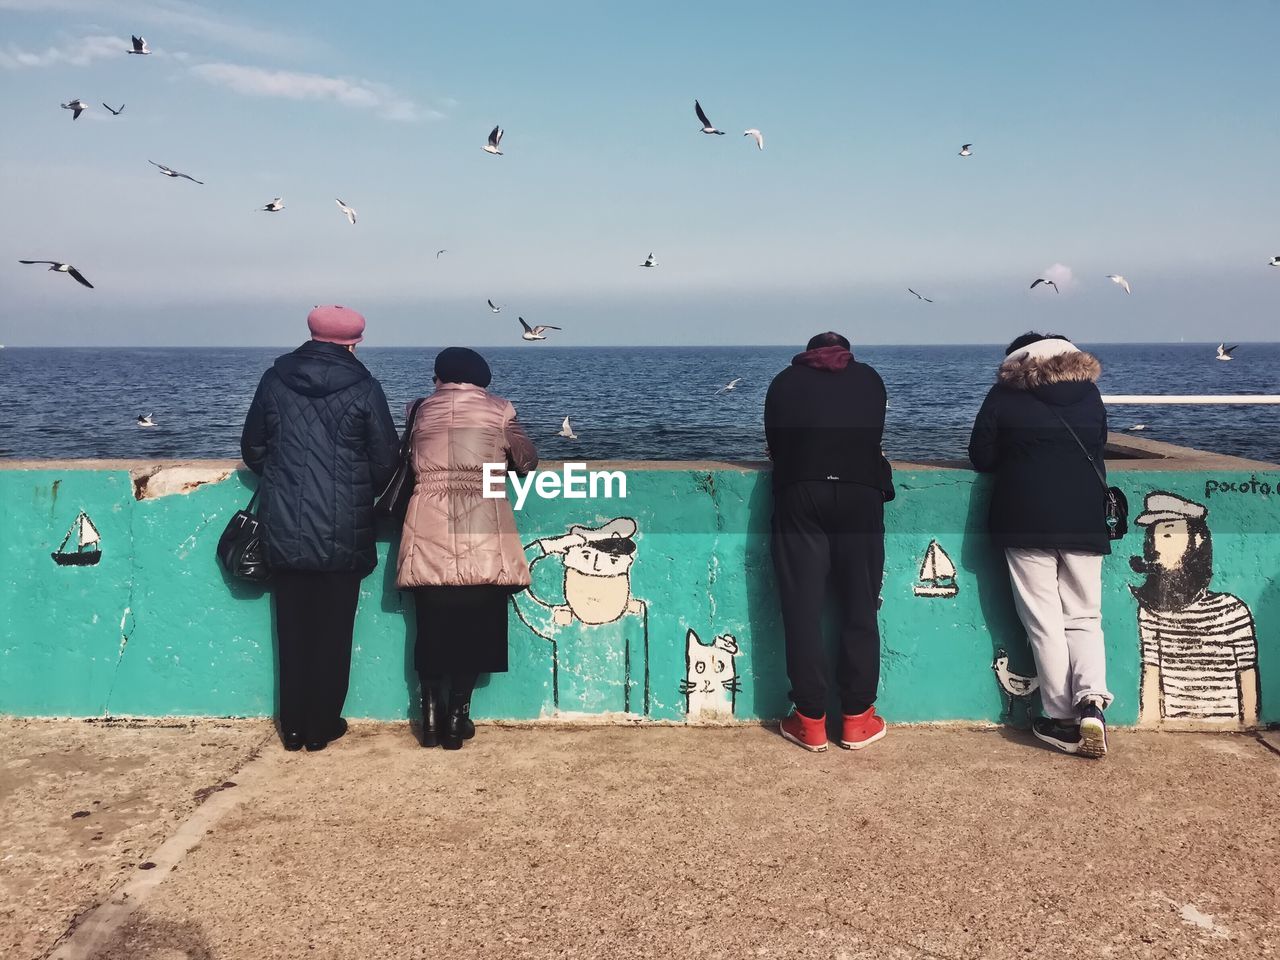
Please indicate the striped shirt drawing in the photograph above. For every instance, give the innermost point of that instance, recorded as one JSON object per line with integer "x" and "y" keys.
{"x": 1200, "y": 651}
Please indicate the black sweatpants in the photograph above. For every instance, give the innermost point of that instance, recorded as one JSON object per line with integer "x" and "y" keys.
{"x": 829, "y": 531}
{"x": 315, "y": 618}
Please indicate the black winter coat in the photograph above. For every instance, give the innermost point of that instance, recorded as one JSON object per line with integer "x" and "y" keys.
{"x": 824, "y": 420}
{"x": 1046, "y": 495}
{"x": 320, "y": 435}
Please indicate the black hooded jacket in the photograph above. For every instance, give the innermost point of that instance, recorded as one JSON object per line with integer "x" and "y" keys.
{"x": 320, "y": 435}
{"x": 1047, "y": 495}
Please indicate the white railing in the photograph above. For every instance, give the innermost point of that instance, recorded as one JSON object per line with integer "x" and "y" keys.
{"x": 1253, "y": 398}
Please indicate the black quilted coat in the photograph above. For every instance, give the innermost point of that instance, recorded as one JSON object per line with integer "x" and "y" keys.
{"x": 320, "y": 435}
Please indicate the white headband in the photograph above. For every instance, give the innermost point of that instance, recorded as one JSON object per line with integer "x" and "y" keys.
{"x": 1044, "y": 349}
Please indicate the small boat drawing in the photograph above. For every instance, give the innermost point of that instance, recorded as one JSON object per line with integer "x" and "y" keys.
{"x": 937, "y": 574}
{"x": 87, "y": 539}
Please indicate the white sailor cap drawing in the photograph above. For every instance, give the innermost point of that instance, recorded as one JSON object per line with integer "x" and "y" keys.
{"x": 1160, "y": 507}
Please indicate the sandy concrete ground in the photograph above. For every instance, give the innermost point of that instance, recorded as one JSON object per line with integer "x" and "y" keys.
{"x": 617, "y": 842}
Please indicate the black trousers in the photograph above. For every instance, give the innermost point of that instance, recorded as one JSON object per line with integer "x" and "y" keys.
{"x": 824, "y": 531}
{"x": 315, "y": 618}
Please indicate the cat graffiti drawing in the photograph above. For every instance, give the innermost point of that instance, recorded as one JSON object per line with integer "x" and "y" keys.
{"x": 710, "y": 686}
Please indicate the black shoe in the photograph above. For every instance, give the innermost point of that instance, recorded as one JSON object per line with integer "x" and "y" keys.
{"x": 468, "y": 729}
{"x": 338, "y": 733}
{"x": 1057, "y": 733}
{"x": 291, "y": 741}
{"x": 453, "y": 730}
{"x": 430, "y": 718}
{"x": 1093, "y": 732}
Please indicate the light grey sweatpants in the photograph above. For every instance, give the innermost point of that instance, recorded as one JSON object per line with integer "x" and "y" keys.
{"x": 1058, "y": 594}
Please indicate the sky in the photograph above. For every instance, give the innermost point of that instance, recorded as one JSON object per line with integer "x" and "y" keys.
{"x": 1133, "y": 138}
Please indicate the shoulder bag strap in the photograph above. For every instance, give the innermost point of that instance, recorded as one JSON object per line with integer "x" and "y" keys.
{"x": 408, "y": 427}
{"x": 1083, "y": 449}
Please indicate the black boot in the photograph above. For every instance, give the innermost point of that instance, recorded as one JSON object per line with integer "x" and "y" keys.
{"x": 454, "y": 729}
{"x": 431, "y": 716}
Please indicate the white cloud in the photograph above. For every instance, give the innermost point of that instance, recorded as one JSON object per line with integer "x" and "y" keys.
{"x": 1060, "y": 274}
{"x": 289, "y": 85}
{"x": 76, "y": 53}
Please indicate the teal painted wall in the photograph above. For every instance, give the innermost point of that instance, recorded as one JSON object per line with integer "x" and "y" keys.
{"x": 156, "y": 629}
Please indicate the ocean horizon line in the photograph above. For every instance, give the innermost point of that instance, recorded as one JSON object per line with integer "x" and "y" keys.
{"x": 603, "y": 346}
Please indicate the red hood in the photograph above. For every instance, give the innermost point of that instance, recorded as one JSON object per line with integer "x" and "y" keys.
{"x": 824, "y": 358}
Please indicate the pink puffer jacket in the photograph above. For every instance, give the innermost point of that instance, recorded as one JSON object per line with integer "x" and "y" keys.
{"x": 453, "y": 535}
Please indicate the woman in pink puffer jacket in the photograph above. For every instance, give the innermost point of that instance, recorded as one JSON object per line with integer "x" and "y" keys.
{"x": 460, "y": 552}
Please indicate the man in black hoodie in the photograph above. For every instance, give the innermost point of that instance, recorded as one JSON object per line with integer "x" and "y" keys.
{"x": 824, "y": 422}
{"x": 320, "y": 435}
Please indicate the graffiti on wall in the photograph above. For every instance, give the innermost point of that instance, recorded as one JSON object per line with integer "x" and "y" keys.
{"x": 711, "y": 683}
{"x": 82, "y": 546}
{"x": 937, "y": 574}
{"x": 1199, "y": 648}
{"x": 1018, "y": 689}
{"x": 599, "y": 634}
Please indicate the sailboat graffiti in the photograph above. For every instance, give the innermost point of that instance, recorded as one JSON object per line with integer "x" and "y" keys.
{"x": 87, "y": 550}
{"x": 937, "y": 574}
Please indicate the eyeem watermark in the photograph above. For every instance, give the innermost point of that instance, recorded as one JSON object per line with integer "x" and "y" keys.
{"x": 574, "y": 482}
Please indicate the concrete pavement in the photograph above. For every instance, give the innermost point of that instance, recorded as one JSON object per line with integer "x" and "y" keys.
{"x": 624, "y": 842}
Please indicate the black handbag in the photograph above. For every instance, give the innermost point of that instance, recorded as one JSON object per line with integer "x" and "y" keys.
{"x": 1117, "y": 502}
{"x": 393, "y": 502}
{"x": 242, "y": 548}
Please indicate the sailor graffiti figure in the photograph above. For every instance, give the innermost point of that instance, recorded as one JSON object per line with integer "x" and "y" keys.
{"x": 600, "y": 634}
{"x": 1199, "y": 648}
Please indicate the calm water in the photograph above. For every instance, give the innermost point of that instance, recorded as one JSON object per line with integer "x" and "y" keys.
{"x": 626, "y": 403}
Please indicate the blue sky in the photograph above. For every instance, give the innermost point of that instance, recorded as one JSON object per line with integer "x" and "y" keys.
{"x": 1135, "y": 138}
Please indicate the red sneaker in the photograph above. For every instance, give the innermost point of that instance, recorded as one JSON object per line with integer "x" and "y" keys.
{"x": 861, "y": 729}
{"x": 803, "y": 732}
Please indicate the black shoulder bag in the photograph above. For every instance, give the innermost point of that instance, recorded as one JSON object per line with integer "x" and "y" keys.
{"x": 394, "y": 500}
{"x": 242, "y": 548}
{"x": 1117, "y": 502}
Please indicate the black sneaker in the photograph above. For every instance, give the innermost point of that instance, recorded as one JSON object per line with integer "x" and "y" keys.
{"x": 1093, "y": 732}
{"x": 1057, "y": 733}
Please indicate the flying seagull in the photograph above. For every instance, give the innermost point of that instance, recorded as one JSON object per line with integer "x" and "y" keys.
{"x": 1224, "y": 352}
{"x": 68, "y": 268}
{"x": 438, "y": 252}
{"x": 731, "y": 385}
{"x": 534, "y": 333}
{"x": 566, "y": 431}
{"x": 1116, "y": 278}
{"x": 147, "y": 420}
{"x": 169, "y": 172}
{"x": 495, "y": 139}
{"x": 649, "y": 261}
{"x": 706, "y": 124}
{"x": 755, "y": 135}
{"x": 139, "y": 46}
{"x": 114, "y": 113}
{"x": 1274, "y": 262}
{"x": 965, "y": 150}
{"x": 918, "y": 297}
{"x": 494, "y": 307}
{"x": 76, "y": 107}
{"x": 347, "y": 211}
{"x": 275, "y": 206}
{"x": 1041, "y": 280}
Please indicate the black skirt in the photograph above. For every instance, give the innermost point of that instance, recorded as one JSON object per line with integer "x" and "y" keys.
{"x": 461, "y": 629}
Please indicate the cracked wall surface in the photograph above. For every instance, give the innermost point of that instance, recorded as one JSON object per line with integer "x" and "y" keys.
{"x": 155, "y": 628}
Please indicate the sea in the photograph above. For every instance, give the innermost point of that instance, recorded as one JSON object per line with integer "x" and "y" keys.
{"x": 625, "y": 403}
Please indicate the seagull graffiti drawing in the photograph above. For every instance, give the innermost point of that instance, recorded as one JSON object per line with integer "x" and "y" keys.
{"x": 1224, "y": 352}
{"x": 1121, "y": 281}
{"x": 114, "y": 112}
{"x": 649, "y": 261}
{"x": 566, "y": 431}
{"x": 706, "y": 124}
{"x": 346, "y": 212}
{"x": 493, "y": 306}
{"x": 731, "y": 385}
{"x": 139, "y": 46}
{"x": 755, "y": 135}
{"x": 275, "y": 206}
{"x": 1015, "y": 686}
{"x": 918, "y": 296}
{"x": 495, "y": 140}
{"x": 63, "y": 268}
{"x": 966, "y": 150}
{"x": 170, "y": 172}
{"x": 1041, "y": 280}
{"x": 76, "y": 107}
{"x": 534, "y": 333}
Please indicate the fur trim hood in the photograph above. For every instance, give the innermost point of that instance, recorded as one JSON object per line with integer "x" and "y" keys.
{"x": 1025, "y": 371}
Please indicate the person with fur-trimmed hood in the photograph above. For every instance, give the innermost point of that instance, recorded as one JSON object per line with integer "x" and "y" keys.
{"x": 1048, "y": 514}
